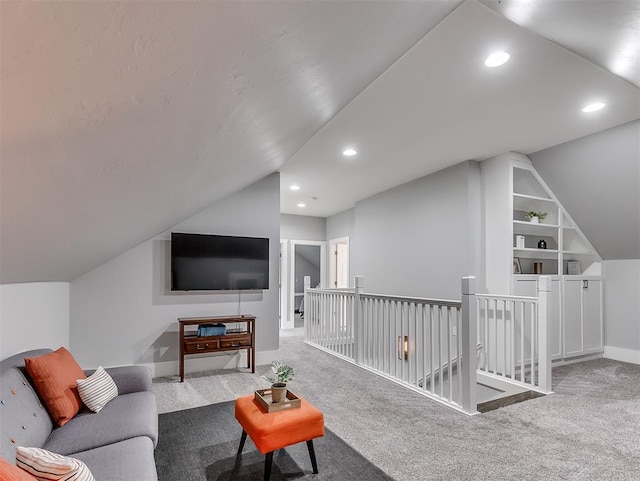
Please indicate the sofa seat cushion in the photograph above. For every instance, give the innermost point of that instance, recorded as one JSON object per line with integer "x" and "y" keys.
{"x": 54, "y": 376}
{"x": 127, "y": 416}
{"x": 125, "y": 461}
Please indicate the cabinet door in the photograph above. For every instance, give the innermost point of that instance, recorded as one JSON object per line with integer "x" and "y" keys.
{"x": 592, "y": 315}
{"x": 573, "y": 318}
{"x": 528, "y": 286}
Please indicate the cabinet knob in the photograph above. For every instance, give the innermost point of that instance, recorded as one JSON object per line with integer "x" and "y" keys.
{"x": 585, "y": 284}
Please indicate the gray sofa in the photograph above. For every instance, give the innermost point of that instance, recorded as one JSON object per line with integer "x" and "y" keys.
{"x": 116, "y": 444}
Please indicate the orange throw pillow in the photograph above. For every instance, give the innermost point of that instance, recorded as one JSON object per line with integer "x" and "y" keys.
{"x": 10, "y": 472}
{"x": 55, "y": 378}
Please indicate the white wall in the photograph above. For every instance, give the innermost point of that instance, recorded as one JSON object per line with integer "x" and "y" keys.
{"x": 124, "y": 312}
{"x": 622, "y": 310}
{"x": 302, "y": 227}
{"x": 420, "y": 238}
{"x": 342, "y": 224}
{"x": 33, "y": 315}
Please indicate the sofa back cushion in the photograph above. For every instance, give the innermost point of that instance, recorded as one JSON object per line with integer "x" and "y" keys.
{"x": 54, "y": 376}
{"x": 24, "y": 420}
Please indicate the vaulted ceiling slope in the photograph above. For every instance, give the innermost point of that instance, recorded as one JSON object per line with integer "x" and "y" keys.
{"x": 439, "y": 105}
{"x": 120, "y": 119}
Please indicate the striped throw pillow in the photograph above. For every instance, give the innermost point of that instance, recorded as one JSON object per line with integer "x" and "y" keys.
{"x": 97, "y": 390}
{"x": 47, "y": 466}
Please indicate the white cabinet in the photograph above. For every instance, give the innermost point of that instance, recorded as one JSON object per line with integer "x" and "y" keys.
{"x": 583, "y": 329}
{"x": 528, "y": 286}
{"x": 511, "y": 187}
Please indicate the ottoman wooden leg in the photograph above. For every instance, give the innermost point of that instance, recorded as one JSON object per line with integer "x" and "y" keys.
{"x": 312, "y": 455}
{"x": 267, "y": 466}
{"x": 243, "y": 438}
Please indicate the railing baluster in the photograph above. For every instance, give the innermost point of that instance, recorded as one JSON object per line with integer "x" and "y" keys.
{"x": 440, "y": 369}
{"x": 449, "y": 372}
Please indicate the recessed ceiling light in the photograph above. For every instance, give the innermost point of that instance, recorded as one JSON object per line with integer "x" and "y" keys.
{"x": 349, "y": 152}
{"x": 595, "y": 106}
{"x": 295, "y": 187}
{"x": 302, "y": 204}
{"x": 496, "y": 59}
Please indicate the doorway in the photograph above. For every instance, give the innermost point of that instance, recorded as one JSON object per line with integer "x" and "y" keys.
{"x": 300, "y": 259}
{"x": 339, "y": 263}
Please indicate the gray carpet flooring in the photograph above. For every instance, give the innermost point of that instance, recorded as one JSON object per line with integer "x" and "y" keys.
{"x": 200, "y": 444}
{"x": 588, "y": 430}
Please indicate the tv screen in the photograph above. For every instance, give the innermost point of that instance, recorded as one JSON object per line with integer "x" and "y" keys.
{"x": 204, "y": 262}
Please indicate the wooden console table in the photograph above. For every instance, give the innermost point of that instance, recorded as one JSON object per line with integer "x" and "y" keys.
{"x": 234, "y": 339}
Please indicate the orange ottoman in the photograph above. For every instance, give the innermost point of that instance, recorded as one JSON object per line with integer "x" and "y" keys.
{"x": 273, "y": 431}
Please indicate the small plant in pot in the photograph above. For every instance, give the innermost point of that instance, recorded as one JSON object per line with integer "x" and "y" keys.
{"x": 535, "y": 217}
{"x": 282, "y": 374}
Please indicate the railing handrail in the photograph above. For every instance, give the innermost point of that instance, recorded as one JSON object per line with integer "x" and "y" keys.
{"x": 416, "y": 300}
{"x": 511, "y": 298}
{"x": 327, "y": 290}
{"x": 391, "y": 297}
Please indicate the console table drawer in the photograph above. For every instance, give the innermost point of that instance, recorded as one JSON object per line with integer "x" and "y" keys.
{"x": 191, "y": 347}
{"x": 234, "y": 342}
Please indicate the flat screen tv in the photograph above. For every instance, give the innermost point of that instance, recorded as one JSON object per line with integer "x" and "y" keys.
{"x": 205, "y": 262}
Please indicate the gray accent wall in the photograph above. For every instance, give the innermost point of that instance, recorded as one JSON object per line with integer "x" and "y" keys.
{"x": 421, "y": 238}
{"x": 124, "y": 312}
{"x": 597, "y": 179}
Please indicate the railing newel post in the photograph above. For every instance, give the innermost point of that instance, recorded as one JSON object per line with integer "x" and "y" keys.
{"x": 359, "y": 320}
{"x": 306, "y": 302}
{"x": 544, "y": 314}
{"x": 469, "y": 340}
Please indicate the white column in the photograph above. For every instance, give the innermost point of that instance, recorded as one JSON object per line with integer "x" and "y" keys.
{"x": 544, "y": 315}
{"x": 469, "y": 340}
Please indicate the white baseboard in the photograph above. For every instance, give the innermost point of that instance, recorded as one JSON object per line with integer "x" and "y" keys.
{"x": 622, "y": 354}
{"x": 211, "y": 362}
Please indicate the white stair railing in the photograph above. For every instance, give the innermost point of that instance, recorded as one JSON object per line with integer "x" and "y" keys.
{"x": 428, "y": 345}
{"x": 512, "y": 333}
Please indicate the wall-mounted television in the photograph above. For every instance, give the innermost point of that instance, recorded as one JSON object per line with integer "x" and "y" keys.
{"x": 206, "y": 262}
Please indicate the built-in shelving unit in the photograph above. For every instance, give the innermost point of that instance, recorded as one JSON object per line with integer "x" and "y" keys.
{"x": 512, "y": 187}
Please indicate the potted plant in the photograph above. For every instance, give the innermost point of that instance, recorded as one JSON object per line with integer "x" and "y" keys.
{"x": 535, "y": 217}
{"x": 282, "y": 374}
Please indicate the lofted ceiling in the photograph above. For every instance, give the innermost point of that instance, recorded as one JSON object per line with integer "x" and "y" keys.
{"x": 439, "y": 104}
{"x": 120, "y": 119}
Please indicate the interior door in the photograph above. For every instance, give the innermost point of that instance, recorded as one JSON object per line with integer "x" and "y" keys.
{"x": 339, "y": 263}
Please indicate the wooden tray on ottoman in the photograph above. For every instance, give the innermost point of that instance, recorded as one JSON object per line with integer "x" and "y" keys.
{"x": 263, "y": 398}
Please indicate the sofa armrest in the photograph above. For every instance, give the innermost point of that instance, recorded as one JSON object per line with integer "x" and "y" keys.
{"x": 129, "y": 378}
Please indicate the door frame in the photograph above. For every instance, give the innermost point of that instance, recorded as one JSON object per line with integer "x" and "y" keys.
{"x": 288, "y": 285}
